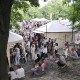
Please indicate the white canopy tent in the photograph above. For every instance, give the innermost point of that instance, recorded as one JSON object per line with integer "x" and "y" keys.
{"x": 39, "y": 20}
{"x": 36, "y": 31}
{"x": 43, "y": 19}
{"x": 13, "y": 39}
{"x": 55, "y": 26}
{"x": 35, "y": 19}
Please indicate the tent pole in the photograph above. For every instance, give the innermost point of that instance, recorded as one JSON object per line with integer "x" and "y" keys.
{"x": 65, "y": 37}
{"x": 46, "y": 31}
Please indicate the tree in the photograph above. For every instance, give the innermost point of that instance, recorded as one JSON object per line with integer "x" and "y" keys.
{"x": 56, "y": 8}
{"x": 19, "y": 9}
{"x": 5, "y": 11}
{"x": 74, "y": 14}
{"x": 33, "y": 12}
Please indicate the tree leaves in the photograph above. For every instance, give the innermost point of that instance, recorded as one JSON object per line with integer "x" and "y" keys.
{"x": 74, "y": 14}
{"x": 56, "y": 8}
{"x": 20, "y": 8}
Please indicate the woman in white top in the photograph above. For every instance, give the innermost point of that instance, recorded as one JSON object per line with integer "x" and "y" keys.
{"x": 17, "y": 56}
{"x": 65, "y": 51}
{"x": 12, "y": 74}
{"x": 33, "y": 51}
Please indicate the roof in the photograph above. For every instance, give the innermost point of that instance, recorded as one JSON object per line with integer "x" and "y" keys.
{"x": 39, "y": 20}
{"x": 55, "y": 26}
{"x": 13, "y": 37}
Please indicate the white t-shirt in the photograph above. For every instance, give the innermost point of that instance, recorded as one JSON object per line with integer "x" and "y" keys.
{"x": 28, "y": 43}
{"x": 45, "y": 50}
{"x": 18, "y": 52}
{"x": 56, "y": 47}
{"x": 13, "y": 75}
{"x": 20, "y": 73}
{"x": 66, "y": 52}
{"x": 26, "y": 37}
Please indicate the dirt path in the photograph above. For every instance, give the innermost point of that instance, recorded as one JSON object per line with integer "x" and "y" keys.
{"x": 53, "y": 73}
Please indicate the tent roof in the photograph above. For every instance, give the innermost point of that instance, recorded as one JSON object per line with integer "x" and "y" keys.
{"x": 43, "y": 19}
{"x": 13, "y": 37}
{"x": 39, "y": 19}
{"x": 36, "y": 31}
{"x": 35, "y": 19}
{"x": 56, "y": 26}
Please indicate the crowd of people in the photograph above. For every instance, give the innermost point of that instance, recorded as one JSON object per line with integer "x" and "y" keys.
{"x": 67, "y": 55}
{"x": 38, "y": 49}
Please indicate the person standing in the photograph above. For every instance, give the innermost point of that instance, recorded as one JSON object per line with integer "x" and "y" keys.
{"x": 33, "y": 51}
{"x": 55, "y": 50}
{"x": 45, "y": 55}
{"x": 17, "y": 56}
{"x": 66, "y": 52}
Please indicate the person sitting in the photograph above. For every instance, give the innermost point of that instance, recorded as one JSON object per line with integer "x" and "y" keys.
{"x": 78, "y": 51}
{"x": 73, "y": 54}
{"x": 60, "y": 60}
{"x": 20, "y": 73}
{"x": 37, "y": 70}
{"x": 12, "y": 74}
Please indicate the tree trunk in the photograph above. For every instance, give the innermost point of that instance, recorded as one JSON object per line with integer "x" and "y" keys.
{"x": 5, "y": 9}
{"x": 3, "y": 58}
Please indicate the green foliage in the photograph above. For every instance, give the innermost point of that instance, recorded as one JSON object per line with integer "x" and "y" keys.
{"x": 66, "y": 1}
{"x": 56, "y": 8}
{"x": 33, "y": 12}
{"x": 74, "y": 14}
{"x": 19, "y": 10}
{"x": 22, "y": 9}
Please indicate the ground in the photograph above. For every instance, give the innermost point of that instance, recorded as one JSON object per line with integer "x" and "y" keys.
{"x": 53, "y": 73}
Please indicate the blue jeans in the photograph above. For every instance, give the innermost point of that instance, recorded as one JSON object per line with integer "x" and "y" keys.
{"x": 34, "y": 73}
{"x": 17, "y": 60}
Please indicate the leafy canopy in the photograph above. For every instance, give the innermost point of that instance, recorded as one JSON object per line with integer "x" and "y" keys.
{"x": 74, "y": 14}
{"x": 55, "y": 9}
{"x": 20, "y": 8}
